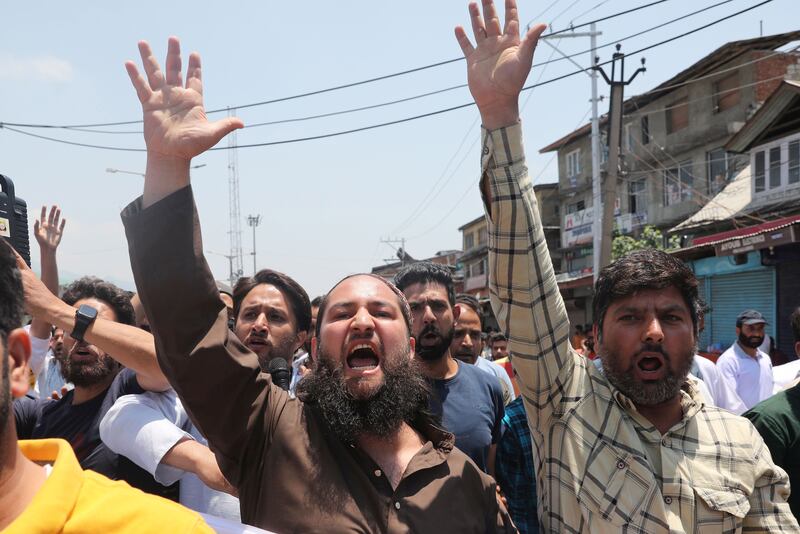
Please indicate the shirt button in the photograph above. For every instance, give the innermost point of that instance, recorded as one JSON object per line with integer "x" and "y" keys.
{"x": 397, "y": 505}
{"x": 620, "y": 465}
{"x": 377, "y": 472}
{"x": 668, "y": 500}
{"x": 485, "y": 150}
{"x": 665, "y": 442}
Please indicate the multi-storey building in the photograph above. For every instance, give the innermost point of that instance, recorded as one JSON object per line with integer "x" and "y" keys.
{"x": 672, "y": 154}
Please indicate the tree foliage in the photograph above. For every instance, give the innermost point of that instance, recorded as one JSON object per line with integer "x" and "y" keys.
{"x": 651, "y": 237}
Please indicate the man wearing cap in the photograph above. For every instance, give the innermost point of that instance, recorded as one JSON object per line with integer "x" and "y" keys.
{"x": 744, "y": 367}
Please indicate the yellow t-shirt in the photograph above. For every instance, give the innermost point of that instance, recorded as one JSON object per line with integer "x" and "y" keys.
{"x": 76, "y": 501}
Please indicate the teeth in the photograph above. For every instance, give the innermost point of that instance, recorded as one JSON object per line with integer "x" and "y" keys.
{"x": 359, "y": 347}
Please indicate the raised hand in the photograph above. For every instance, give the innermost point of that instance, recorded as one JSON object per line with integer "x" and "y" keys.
{"x": 498, "y": 65}
{"x": 47, "y": 229}
{"x": 175, "y": 122}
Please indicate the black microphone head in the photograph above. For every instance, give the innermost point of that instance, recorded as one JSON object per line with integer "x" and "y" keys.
{"x": 278, "y": 364}
{"x": 281, "y": 373}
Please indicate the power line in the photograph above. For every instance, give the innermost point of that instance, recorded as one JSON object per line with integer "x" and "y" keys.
{"x": 431, "y": 113}
{"x": 473, "y": 185}
{"x": 352, "y": 84}
{"x": 421, "y": 207}
{"x": 413, "y": 97}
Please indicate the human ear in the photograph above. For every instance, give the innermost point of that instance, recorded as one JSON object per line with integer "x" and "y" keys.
{"x": 18, "y": 346}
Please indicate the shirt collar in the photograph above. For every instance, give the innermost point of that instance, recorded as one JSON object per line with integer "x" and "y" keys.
{"x": 691, "y": 403}
{"x": 55, "y": 501}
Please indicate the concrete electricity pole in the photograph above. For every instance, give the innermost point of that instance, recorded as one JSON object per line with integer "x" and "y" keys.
{"x": 614, "y": 138}
{"x": 590, "y": 71}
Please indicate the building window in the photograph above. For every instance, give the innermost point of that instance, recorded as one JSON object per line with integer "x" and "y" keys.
{"x": 469, "y": 241}
{"x": 774, "y": 167}
{"x": 678, "y": 184}
{"x": 603, "y": 147}
{"x": 575, "y": 207}
{"x": 726, "y": 92}
{"x": 483, "y": 236}
{"x": 645, "y": 130}
{"x": 794, "y": 162}
{"x": 573, "y": 166}
{"x": 759, "y": 182}
{"x": 717, "y": 170}
{"x": 637, "y": 196}
{"x": 678, "y": 115}
{"x": 627, "y": 137}
{"x": 556, "y": 210}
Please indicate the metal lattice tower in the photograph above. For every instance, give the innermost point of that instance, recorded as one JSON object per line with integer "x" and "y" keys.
{"x": 234, "y": 218}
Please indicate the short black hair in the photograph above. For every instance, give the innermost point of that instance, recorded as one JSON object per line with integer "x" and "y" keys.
{"x": 425, "y": 272}
{"x": 497, "y": 336}
{"x": 296, "y": 295}
{"x": 316, "y": 301}
{"x": 641, "y": 270}
{"x": 11, "y": 293}
{"x": 401, "y": 301}
{"x": 794, "y": 320}
{"x": 92, "y": 287}
{"x": 472, "y": 303}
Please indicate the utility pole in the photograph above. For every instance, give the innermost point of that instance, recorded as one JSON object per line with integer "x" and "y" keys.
{"x": 597, "y": 231}
{"x": 233, "y": 277}
{"x": 596, "y": 226}
{"x": 234, "y": 218}
{"x": 401, "y": 252}
{"x": 614, "y": 138}
{"x": 253, "y": 221}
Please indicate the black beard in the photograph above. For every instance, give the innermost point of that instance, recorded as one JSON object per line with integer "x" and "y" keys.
{"x": 647, "y": 394}
{"x": 434, "y": 352}
{"x": 89, "y": 374}
{"x": 403, "y": 397}
{"x": 751, "y": 342}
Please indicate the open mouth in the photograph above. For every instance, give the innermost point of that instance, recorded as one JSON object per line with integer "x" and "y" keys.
{"x": 82, "y": 354}
{"x": 362, "y": 358}
{"x": 651, "y": 364}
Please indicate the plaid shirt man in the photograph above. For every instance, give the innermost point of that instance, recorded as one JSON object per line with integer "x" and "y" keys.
{"x": 601, "y": 466}
{"x": 514, "y": 468}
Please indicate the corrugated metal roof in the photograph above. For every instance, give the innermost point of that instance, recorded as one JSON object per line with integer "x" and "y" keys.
{"x": 729, "y": 202}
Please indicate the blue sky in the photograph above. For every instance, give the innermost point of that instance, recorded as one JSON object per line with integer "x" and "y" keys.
{"x": 324, "y": 204}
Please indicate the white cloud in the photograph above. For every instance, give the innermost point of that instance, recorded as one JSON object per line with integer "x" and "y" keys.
{"x": 38, "y": 69}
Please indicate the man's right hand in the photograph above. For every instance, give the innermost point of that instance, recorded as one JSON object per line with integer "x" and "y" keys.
{"x": 499, "y": 63}
{"x": 176, "y": 128}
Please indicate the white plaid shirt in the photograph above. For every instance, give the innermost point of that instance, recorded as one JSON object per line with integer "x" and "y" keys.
{"x": 601, "y": 466}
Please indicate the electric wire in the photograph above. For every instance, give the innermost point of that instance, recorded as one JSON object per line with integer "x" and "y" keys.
{"x": 410, "y": 98}
{"x": 423, "y": 115}
{"x": 361, "y": 82}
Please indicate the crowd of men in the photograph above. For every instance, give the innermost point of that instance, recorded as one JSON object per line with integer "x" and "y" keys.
{"x": 373, "y": 408}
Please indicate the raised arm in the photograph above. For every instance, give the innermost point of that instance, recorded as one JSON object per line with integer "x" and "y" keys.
{"x": 176, "y": 128}
{"x": 130, "y": 346}
{"x": 524, "y": 293}
{"x": 196, "y": 349}
{"x": 48, "y": 230}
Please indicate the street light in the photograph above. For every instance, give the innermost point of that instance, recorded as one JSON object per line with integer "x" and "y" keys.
{"x": 253, "y": 221}
{"x": 114, "y": 171}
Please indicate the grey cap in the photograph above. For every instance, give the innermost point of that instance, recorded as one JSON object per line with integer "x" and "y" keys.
{"x": 750, "y": 317}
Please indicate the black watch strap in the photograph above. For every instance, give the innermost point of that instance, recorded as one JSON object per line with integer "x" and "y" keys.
{"x": 84, "y": 316}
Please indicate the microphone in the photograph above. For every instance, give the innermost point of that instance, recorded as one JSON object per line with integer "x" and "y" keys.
{"x": 280, "y": 372}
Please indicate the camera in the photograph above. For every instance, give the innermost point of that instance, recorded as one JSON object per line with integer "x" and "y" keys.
{"x": 14, "y": 219}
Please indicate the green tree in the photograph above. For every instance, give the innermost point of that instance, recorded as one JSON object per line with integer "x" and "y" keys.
{"x": 651, "y": 237}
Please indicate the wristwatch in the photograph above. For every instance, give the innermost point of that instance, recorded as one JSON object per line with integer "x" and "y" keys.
{"x": 84, "y": 317}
